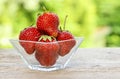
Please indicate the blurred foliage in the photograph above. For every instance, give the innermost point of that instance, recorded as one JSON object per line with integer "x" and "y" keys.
{"x": 96, "y": 20}
{"x": 108, "y": 14}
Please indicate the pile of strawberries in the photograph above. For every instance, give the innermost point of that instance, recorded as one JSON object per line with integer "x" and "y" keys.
{"x": 46, "y": 40}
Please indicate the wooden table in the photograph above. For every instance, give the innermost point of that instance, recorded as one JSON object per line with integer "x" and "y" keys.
{"x": 88, "y": 63}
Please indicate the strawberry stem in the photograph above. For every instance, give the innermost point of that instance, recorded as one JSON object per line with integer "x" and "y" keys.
{"x": 38, "y": 14}
{"x": 61, "y": 28}
{"x": 31, "y": 24}
{"x": 65, "y": 21}
{"x": 44, "y": 8}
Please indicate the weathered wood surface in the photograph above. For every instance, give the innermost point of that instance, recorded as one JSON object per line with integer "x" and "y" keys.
{"x": 88, "y": 63}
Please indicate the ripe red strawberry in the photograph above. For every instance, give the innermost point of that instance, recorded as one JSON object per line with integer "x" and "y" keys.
{"x": 47, "y": 60}
{"x": 66, "y": 39}
{"x": 29, "y": 34}
{"x": 66, "y": 43}
{"x": 47, "y": 50}
{"x": 48, "y": 22}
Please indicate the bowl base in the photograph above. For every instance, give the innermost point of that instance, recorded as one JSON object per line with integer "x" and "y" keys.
{"x": 42, "y": 68}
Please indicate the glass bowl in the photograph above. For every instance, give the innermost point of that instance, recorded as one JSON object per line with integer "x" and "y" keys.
{"x": 50, "y": 62}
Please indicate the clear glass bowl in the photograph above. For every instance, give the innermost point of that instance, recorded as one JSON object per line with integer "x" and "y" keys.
{"x": 33, "y": 63}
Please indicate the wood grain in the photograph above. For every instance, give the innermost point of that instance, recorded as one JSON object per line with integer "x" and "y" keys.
{"x": 82, "y": 66}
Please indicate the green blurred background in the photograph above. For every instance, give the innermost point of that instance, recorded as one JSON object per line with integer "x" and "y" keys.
{"x": 97, "y": 21}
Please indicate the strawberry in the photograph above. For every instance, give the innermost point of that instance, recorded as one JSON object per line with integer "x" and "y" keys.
{"x": 48, "y": 22}
{"x": 66, "y": 39}
{"x": 29, "y": 34}
{"x": 47, "y": 50}
{"x": 47, "y": 60}
{"x": 66, "y": 42}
